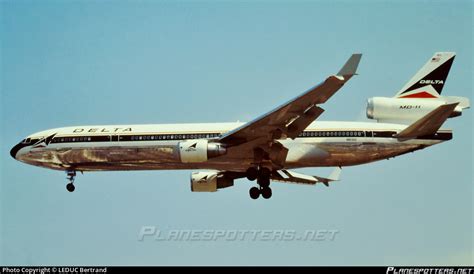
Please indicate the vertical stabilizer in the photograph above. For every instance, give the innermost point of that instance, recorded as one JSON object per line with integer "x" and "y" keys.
{"x": 429, "y": 81}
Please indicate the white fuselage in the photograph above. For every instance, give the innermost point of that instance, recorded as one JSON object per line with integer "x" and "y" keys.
{"x": 148, "y": 147}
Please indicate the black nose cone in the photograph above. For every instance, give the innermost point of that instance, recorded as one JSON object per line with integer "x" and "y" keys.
{"x": 15, "y": 150}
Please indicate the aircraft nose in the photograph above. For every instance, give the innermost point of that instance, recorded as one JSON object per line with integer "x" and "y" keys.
{"x": 15, "y": 150}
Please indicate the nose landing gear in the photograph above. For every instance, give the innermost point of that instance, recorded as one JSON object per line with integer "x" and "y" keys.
{"x": 71, "y": 175}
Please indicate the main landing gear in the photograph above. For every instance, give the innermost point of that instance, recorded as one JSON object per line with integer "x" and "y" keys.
{"x": 71, "y": 175}
{"x": 262, "y": 175}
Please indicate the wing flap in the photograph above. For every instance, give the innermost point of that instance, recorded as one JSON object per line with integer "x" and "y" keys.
{"x": 303, "y": 121}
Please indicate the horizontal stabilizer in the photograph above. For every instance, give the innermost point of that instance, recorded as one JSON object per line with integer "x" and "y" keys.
{"x": 288, "y": 176}
{"x": 428, "y": 124}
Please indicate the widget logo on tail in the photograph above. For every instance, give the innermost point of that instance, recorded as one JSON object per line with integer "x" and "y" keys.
{"x": 429, "y": 81}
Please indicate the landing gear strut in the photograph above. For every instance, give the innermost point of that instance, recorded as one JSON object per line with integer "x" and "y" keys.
{"x": 263, "y": 179}
{"x": 71, "y": 175}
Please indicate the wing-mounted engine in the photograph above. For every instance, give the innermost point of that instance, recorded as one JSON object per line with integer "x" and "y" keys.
{"x": 209, "y": 181}
{"x": 385, "y": 109}
{"x": 200, "y": 150}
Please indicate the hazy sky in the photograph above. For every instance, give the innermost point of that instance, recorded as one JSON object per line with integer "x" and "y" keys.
{"x": 97, "y": 62}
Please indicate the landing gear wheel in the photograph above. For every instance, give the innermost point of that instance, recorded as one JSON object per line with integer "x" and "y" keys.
{"x": 252, "y": 173}
{"x": 254, "y": 193}
{"x": 70, "y": 187}
{"x": 266, "y": 192}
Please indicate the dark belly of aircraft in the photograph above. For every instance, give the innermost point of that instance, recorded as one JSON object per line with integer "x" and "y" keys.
{"x": 167, "y": 157}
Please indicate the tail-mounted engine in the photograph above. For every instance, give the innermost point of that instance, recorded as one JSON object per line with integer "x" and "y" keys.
{"x": 209, "y": 181}
{"x": 197, "y": 151}
{"x": 385, "y": 109}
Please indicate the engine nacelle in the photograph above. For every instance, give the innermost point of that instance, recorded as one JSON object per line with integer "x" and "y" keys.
{"x": 209, "y": 181}
{"x": 408, "y": 109}
{"x": 197, "y": 151}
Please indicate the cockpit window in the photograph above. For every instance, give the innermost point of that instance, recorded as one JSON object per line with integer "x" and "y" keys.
{"x": 26, "y": 141}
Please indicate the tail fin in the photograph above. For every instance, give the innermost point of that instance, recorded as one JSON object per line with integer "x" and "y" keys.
{"x": 429, "y": 81}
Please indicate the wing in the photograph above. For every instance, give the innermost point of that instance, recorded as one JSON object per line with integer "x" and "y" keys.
{"x": 288, "y": 176}
{"x": 291, "y": 118}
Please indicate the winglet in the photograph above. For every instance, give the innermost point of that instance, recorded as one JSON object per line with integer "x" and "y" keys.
{"x": 350, "y": 68}
{"x": 334, "y": 176}
{"x": 428, "y": 124}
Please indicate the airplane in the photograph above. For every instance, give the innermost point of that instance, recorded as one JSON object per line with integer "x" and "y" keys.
{"x": 267, "y": 148}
